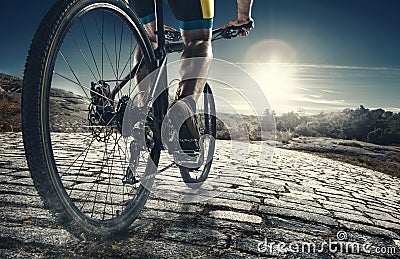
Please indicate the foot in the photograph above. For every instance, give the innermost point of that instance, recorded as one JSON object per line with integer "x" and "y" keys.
{"x": 183, "y": 117}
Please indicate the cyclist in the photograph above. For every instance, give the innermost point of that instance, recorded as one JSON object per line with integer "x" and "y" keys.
{"x": 195, "y": 21}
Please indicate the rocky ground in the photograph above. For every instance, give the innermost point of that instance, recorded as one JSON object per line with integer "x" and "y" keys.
{"x": 385, "y": 159}
{"x": 10, "y": 99}
{"x": 67, "y": 109}
{"x": 10, "y": 83}
{"x": 296, "y": 198}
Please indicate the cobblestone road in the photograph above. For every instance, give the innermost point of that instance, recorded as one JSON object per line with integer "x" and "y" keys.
{"x": 295, "y": 199}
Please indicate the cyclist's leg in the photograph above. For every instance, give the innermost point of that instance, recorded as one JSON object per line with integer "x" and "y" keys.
{"x": 194, "y": 76}
{"x": 197, "y": 44}
{"x": 195, "y": 21}
{"x": 146, "y": 12}
{"x": 142, "y": 73}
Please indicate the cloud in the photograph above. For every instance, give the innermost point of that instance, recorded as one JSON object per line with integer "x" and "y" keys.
{"x": 316, "y": 99}
{"x": 322, "y": 66}
{"x": 318, "y": 89}
{"x": 392, "y": 109}
{"x": 314, "y": 110}
{"x": 327, "y": 66}
{"x": 303, "y": 88}
{"x": 315, "y": 96}
{"x": 330, "y": 91}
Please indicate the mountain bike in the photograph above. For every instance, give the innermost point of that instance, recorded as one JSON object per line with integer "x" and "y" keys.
{"x": 79, "y": 84}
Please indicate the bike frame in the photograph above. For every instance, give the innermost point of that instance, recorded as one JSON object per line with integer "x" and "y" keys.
{"x": 160, "y": 51}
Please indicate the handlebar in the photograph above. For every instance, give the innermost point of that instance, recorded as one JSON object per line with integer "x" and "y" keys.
{"x": 231, "y": 31}
{"x": 227, "y": 33}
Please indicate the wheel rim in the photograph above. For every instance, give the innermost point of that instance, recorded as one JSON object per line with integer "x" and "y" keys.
{"x": 89, "y": 157}
{"x": 207, "y": 124}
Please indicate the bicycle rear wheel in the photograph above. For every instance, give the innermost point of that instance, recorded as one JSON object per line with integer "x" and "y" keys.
{"x": 87, "y": 173}
{"x": 194, "y": 178}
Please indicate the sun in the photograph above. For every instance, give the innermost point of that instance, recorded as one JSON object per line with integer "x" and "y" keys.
{"x": 276, "y": 79}
{"x": 270, "y": 62}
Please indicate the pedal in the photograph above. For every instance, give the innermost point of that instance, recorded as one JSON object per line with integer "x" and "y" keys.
{"x": 189, "y": 159}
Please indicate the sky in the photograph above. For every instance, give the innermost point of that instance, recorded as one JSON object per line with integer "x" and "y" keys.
{"x": 306, "y": 55}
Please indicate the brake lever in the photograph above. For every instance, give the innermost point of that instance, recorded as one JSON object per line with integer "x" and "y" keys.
{"x": 233, "y": 31}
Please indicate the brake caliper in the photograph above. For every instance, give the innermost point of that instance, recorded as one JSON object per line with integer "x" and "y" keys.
{"x": 101, "y": 110}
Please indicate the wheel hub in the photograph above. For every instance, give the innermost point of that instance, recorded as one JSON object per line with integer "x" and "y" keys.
{"x": 104, "y": 117}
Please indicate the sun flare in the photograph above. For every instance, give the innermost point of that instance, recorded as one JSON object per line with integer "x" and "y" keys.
{"x": 269, "y": 62}
{"x": 276, "y": 79}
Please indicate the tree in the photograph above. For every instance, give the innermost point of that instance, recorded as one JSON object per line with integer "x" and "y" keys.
{"x": 268, "y": 120}
{"x": 288, "y": 122}
{"x": 375, "y": 126}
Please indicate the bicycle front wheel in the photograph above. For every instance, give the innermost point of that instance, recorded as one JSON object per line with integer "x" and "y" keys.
{"x": 78, "y": 81}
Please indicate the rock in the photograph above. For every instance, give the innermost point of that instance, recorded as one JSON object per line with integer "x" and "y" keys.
{"x": 10, "y": 83}
{"x": 67, "y": 108}
{"x": 236, "y": 216}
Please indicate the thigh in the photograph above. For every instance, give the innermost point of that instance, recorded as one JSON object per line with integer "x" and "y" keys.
{"x": 146, "y": 12}
{"x": 144, "y": 9}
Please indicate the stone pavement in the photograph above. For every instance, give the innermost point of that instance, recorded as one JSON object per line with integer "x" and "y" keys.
{"x": 304, "y": 202}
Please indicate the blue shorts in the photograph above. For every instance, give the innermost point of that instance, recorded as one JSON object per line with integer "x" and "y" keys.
{"x": 191, "y": 14}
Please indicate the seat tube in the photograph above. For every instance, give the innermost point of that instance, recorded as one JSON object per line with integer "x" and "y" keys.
{"x": 160, "y": 105}
{"x": 160, "y": 28}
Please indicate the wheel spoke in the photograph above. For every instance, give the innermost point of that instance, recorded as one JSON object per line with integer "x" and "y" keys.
{"x": 110, "y": 174}
{"x": 83, "y": 55}
{"x": 129, "y": 60}
{"x": 79, "y": 156}
{"x": 83, "y": 87}
{"x": 120, "y": 45}
{"x": 80, "y": 168}
{"x": 72, "y": 71}
{"x": 90, "y": 46}
{"x": 104, "y": 48}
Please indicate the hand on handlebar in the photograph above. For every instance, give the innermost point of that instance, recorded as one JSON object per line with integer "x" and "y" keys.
{"x": 245, "y": 26}
{"x": 231, "y": 30}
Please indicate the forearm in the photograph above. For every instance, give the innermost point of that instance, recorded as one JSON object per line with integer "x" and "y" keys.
{"x": 244, "y": 9}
